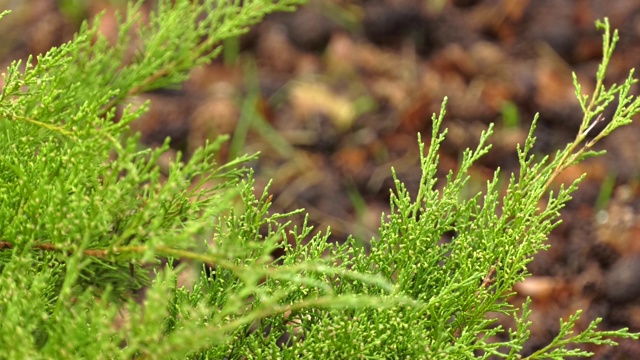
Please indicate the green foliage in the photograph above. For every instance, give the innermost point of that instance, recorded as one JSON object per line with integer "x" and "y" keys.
{"x": 84, "y": 213}
{"x": 510, "y": 116}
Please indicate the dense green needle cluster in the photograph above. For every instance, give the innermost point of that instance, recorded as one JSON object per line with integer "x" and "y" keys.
{"x": 84, "y": 212}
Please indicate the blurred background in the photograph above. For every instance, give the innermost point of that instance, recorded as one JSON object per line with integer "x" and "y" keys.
{"x": 333, "y": 97}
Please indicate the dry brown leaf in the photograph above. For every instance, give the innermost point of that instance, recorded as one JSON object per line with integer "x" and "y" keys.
{"x": 313, "y": 98}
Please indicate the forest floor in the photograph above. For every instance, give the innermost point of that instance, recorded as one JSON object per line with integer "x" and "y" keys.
{"x": 333, "y": 97}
